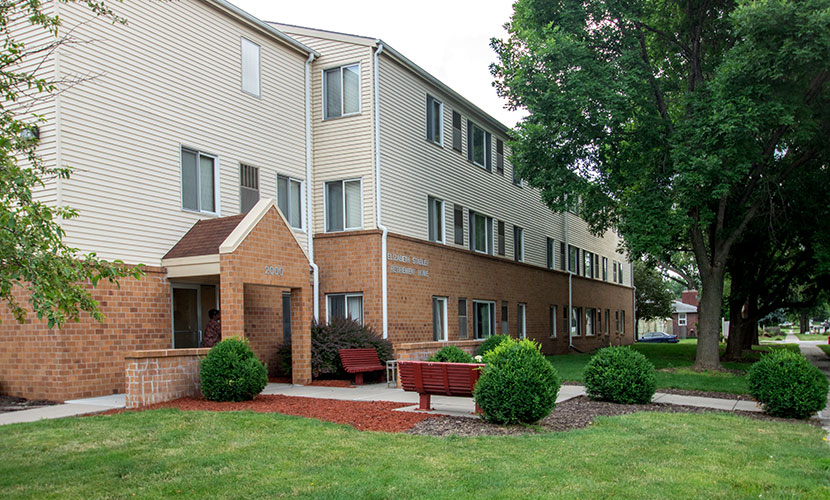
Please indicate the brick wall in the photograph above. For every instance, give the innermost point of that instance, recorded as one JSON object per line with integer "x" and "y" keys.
{"x": 162, "y": 375}
{"x": 263, "y": 324}
{"x": 86, "y": 358}
{"x": 419, "y": 351}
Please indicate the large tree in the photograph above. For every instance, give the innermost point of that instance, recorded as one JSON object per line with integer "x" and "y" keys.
{"x": 653, "y": 298}
{"x": 671, "y": 120}
{"x": 35, "y": 263}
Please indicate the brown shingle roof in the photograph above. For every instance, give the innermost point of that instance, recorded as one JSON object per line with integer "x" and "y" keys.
{"x": 205, "y": 237}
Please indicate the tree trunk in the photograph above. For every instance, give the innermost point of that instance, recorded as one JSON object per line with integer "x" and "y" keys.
{"x": 708, "y": 338}
{"x": 805, "y": 325}
{"x": 735, "y": 341}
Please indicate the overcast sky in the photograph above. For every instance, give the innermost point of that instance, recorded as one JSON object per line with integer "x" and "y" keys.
{"x": 448, "y": 38}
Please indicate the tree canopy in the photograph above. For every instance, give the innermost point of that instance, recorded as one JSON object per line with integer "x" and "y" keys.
{"x": 653, "y": 297}
{"x": 673, "y": 121}
{"x": 36, "y": 266}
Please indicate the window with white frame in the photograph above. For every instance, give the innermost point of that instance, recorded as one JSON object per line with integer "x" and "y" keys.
{"x": 622, "y": 322}
{"x": 521, "y": 321}
{"x": 341, "y": 91}
{"x": 290, "y": 200}
{"x": 621, "y": 273}
{"x": 573, "y": 259}
{"x": 681, "y": 319}
{"x": 605, "y": 269}
{"x": 481, "y": 233}
{"x": 504, "y": 319}
{"x": 344, "y": 305}
{"x": 462, "y": 318}
{"x": 344, "y": 205}
{"x": 590, "y": 315}
{"x": 484, "y": 318}
{"x": 553, "y": 321}
{"x": 478, "y": 145}
{"x": 199, "y": 179}
{"x": 551, "y": 253}
{"x": 518, "y": 244}
{"x": 607, "y": 321}
{"x": 588, "y": 264}
{"x": 248, "y": 187}
{"x": 576, "y": 321}
{"x": 250, "y": 67}
{"x": 435, "y": 219}
{"x": 435, "y": 120}
{"x": 439, "y": 319}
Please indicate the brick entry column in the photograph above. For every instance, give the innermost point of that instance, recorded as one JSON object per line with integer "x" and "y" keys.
{"x": 232, "y": 305}
{"x": 301, "y": 316}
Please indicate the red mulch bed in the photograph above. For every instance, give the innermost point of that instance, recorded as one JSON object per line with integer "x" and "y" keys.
{"x": 321, "y": 383}
{"x": 362, "y": 415}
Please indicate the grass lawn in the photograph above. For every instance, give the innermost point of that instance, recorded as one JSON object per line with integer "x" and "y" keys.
{"x": 809, "y": 336}
{"x": 166, "y": 453}
{"x": 678, "y": 358}
{"x": 825, "y": 348}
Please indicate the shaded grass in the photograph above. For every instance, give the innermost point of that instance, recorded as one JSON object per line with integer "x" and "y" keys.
{"x": 164, "y": 453}
{"x": 673, "y": 363}
{"x": 825, "y": 348}
{"x": 809, "y": 336}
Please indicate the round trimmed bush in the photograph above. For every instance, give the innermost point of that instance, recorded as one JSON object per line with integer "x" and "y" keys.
{"x": 451, "y": 354}
{"x": 491, "y": 343}
{"x": 788, "y": 385}
{"x": 231, "y": 372}
{"x": 518, "y": 385}
{"x": 620, "y": 375}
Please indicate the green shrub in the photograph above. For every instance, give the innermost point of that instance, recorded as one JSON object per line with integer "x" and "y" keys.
{"x": 451, "y": 354}
{"x": 787, "y": 385}
{"x": 328, "y": 339}
{"x": 491, "y": 343}
{"x": 620, "y": 375}
{"x": 518, "y": 385}
{"x": 231, "y": 372}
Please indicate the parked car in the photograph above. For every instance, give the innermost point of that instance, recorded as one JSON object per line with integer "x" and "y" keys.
{"x": 659, "y": 337}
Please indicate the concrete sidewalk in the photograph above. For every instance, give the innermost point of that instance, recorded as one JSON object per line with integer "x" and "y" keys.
{"x": 810, "y": 350}
{"x": 443, "y": 405}
{"x": 73, "y": 408}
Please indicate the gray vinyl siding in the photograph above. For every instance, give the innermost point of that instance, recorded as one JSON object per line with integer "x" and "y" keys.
{"x": 170, "y": 78}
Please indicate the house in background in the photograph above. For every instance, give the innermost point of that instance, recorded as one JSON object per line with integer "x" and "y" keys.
{"x": 684, "y": 317}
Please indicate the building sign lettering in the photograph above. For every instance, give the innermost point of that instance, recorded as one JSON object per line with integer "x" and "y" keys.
{"x": 408, "y": 259}
{"x": 274, "y": 271}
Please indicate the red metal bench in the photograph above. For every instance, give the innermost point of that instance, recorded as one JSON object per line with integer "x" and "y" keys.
{"x": 360, "y": 361}
{"x": 439, "y": 379}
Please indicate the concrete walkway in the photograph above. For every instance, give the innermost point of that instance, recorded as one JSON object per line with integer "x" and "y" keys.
{"x": 73, "y": 408}
{"x": 443, "y": 405}
{"x": 810, "y": 350}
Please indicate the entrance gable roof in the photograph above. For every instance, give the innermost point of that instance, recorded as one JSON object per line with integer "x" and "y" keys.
{"x": 205, "y": 237}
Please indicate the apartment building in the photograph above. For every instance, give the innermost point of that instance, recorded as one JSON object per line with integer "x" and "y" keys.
{"x": 281, "y": 174}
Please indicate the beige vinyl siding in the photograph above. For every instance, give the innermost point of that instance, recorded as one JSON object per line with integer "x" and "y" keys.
{"x": 170, "y": 78}
{"x": 35, "y": 107}
{"x": 343, "y": 148}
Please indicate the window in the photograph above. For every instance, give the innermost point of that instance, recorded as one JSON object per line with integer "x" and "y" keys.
{"x": 604, "y": 269}
{"x": 435, "y": 120}
{"x": 518, "y": 244}
{"x": 290, "y": 200}
{"x": 551, "y": 253}
{"x": 617, "y": 319}
{"x": 553, "y": 322}
{"x": 462, "y": 318}
{"x": 607, "y": 321}
{"x": 504, "y": 319}
{"x": 598, "y": 329}
{"x": 562, "y": 258}
{"x": 590, "y": 315}
{"x": 248, "y": 187}
{"x": 576, "y": 321}
{"x": 250, "y": 67}
{"x": 341, "y": 91}
{"x": 456, "y": 131}
{"x": 286, "y": 317}
{"x": 500, "y": 237}
{"x": 345, "y": 305}
{"x": 621, "y": 273}
{"x": 573, "y": 259}
{"x": 500, "y": 156}
{"x": 484, "y": 318}
{"x": 435, "y": 216}
{"x": 681, "y": 319}
{"x": 588, "y": 261}
{"x": 439, "y": 318}
{"x": 521, "y": 326}
{"x": 478, "y": 146}
{"x": 615, "y": 271}
{"x": 622, "y": 322}
{"x": 344, "y": 207}
{"x": 198, "y": 181}
{"x": 458, "y": 224}
{"x": 481, "y": 233}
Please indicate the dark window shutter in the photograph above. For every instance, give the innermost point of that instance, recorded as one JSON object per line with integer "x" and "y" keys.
{"x": 501, "y": 237}
{"x": 458, "y": 219}
{"x": 500, "y": 156}
{"x": 456, "y": 131}
{"x": 469, "y": 141}
{"x": 472, "y": 231}
{"x": 488, "y": 154}
{"x": 563, "y": 260}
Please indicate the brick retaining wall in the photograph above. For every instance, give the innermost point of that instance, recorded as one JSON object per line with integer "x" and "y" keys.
{"x": 419, "y": 351}
{"x": 162, "y": 375}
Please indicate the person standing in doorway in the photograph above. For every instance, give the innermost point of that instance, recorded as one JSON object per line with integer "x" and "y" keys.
{"x": 213, "y": 330}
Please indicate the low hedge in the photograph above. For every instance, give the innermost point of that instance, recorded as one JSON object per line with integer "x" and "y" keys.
{"x": 231, "y": 372}
{"x": 451, "y": 354}
{"x": 491, "y": 343}
{"x": 787, "y": 385}
{"x": 620, "y": 375}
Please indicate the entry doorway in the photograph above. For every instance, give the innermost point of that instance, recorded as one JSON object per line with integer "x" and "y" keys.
{"x": 191, "y": 303}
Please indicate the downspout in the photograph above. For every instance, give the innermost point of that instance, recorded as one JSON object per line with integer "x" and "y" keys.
{"x": 570, "y": 280}
{"x": 308, "y": 218}
{"x": 384, "y": 231}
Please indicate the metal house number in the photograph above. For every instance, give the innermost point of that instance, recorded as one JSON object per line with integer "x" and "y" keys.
{"x": 274, "y": 271}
